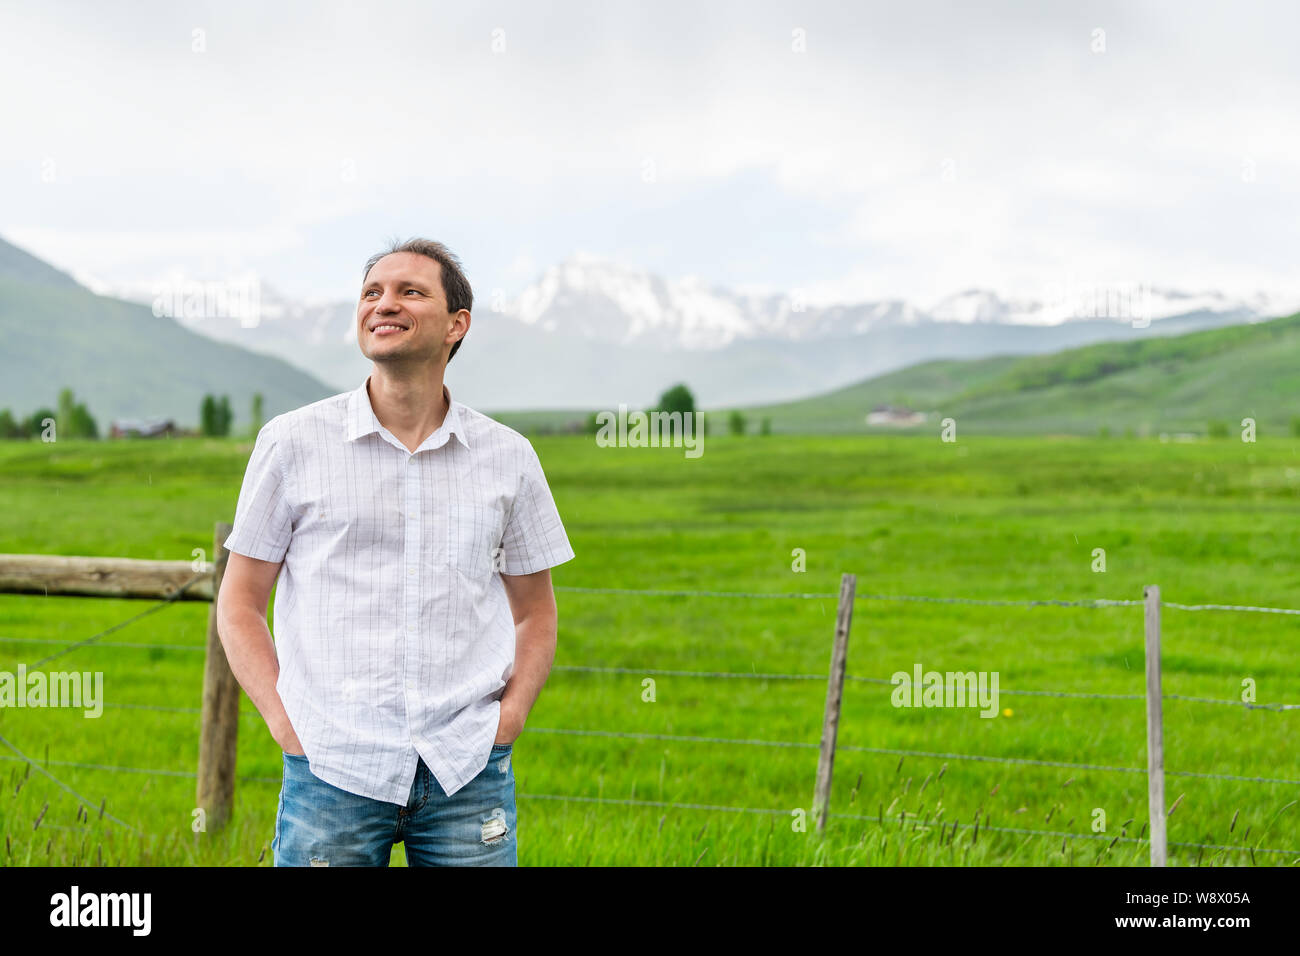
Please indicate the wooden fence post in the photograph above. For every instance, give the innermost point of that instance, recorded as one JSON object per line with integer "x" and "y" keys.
{"x": 834, "y": 697}
{"x": 220, "y": 730}
{"x": 1155, "y": 728}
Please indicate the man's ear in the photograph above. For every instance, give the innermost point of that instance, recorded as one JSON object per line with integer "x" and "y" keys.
{"x": 462, "y": 315}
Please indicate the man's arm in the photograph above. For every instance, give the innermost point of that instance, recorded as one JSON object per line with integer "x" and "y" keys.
{"x": 241, "y": 625}
{"x": 532, "y": 602}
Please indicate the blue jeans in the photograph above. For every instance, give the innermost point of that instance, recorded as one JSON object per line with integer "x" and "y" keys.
{"x": 317, "y": 824}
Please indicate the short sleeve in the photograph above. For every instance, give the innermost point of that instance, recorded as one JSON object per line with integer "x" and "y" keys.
{"x": 263, "y": 518}
{"x": 534, "y": 539}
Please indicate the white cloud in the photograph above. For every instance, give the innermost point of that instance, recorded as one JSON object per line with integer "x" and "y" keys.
{"x": 303, "y": 135}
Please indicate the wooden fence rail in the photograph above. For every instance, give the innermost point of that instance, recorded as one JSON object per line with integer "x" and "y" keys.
{"x": 54, "y": 574}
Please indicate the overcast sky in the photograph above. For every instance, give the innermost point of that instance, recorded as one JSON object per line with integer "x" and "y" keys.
{"x": 910, "y": 150}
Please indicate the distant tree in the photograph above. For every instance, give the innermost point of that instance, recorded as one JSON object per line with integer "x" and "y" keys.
{"x": 1218, "y": 429}
{"x": 224, "y": 416}
{"x": 591, "y": 426}
{"x": 9, "y": 426}
{"x": 1104, "y": 431}
{"x": 257, "y": 413}
{"x": 33, "y": 425}
{"x": 66, "y": 408}
{"x": 83, "y": 425}
{"x": 736, "y": 423}
{"x": 765, "y": 428}
{"x": 677, "y": 399}
{"x": 208, "y": 415}
{"x": 1295, "y": 427}
{"x": 73, "y": 418}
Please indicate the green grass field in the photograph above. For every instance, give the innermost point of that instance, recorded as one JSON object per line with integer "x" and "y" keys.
{"x": 991, "y": 518}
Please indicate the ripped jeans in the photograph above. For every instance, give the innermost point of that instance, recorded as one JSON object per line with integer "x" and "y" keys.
{"x": 318, "y": 824}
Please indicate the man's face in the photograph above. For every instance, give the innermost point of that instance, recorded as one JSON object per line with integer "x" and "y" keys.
{"x": 403, "y": 313}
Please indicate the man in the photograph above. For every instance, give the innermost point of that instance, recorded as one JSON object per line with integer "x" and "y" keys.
{"x": 415, "y": 621}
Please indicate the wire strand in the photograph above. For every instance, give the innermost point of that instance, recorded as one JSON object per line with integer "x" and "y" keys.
{"x": 569, "y": 798}
{"x": 988, "y": 602}
{"x": 84, "y": 802}
{"x": 131, "y": 620}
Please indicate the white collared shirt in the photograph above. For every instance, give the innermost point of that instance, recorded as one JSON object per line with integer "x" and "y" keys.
{"x": 392, "y": 627}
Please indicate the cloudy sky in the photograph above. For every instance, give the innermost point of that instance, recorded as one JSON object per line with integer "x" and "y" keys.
{"x": 848, "y": 150}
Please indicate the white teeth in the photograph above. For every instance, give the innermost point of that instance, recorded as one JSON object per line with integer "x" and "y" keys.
{"x": 398, "y": 327}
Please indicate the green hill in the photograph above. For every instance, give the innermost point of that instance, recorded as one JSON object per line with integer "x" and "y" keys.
{"x": 120, "y": 359}
{"x": 1177, "y": 383}
{"x": 25, "y": 267}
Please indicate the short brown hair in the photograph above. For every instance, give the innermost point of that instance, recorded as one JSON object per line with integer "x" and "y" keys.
{"x": 455, "y": 287}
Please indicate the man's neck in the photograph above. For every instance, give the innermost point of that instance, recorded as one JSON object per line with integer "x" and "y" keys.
{"x": 410, "y": 405}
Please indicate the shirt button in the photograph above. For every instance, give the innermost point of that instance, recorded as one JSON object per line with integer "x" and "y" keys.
{"x": 410, "y": 570}
{"x": 410, "y": 627}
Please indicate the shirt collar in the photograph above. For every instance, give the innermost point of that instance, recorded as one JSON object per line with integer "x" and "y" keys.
{"x": 362, "y": 420}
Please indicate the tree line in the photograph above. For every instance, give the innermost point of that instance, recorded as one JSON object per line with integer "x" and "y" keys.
{"x": 73, "y": 420}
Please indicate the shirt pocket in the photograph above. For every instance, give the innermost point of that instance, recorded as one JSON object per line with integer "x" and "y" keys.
{"x": 474, "y": 533}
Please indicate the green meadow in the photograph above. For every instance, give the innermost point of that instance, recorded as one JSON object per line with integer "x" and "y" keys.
{"x": 719, "y": 770}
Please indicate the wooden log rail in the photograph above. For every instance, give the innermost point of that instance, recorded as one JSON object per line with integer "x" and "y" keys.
{"x": 101, "y": 577}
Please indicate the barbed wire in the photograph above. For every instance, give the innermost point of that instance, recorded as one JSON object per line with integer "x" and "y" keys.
{"x": 819, "y": 596}
{"x": 985, "y": 758}
{"x": 672, "y": 805}
{"x": 790, "y": 744}
{"x": 171, "y": 598}
{"x": 862, "y": 596}
{"x": 637, "y": 671}
{"x": 787, "y": 744}
{"x": 734, "y": 675}
{"x": 987, "y": 602}
{"x": 63, "y": 786}
{"x": 1230, "y": 607}
{"x": 1068, "y": 835}
{"x": 127, "y": 644}
{"x": 1249, "y": 705}
{"x": 149, "y": 771}
{"x": 1236, "y": 703}
{"x": 1094, "y": 603}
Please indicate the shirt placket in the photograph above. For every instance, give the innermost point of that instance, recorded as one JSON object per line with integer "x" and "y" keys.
{"x": 411, "y": 595}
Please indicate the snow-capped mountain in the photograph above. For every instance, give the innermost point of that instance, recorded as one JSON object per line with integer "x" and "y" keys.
{"x": 1122, "y": 301}
{"x": 981, "y": 305}
{"x": 606, "y": 333}
{"x": 609, "y": 302}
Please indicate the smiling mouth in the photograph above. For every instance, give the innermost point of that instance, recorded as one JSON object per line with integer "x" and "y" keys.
{"x": 386, "y": 330}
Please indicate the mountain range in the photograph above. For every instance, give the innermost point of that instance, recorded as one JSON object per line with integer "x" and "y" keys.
{"x": 590, "y": 333}
{"x": 587, "y": 334}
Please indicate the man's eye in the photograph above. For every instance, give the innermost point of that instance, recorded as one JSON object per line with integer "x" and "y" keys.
{"x": 367, "y": 292}
{"x": 416, "y": 291}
